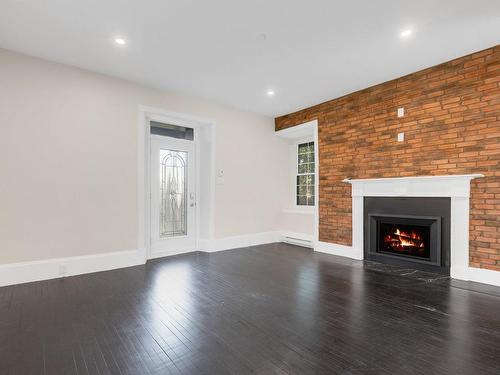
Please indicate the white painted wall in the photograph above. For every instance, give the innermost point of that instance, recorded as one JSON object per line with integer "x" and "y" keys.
{"x": 68, "y": 161}
{"x": 297, "y": 222}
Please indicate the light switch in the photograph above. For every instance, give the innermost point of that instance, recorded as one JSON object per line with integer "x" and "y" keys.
{"x": 401, "y": 112}
{"x": 401, "y": 137}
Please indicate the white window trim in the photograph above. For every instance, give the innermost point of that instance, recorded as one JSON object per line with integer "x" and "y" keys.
{"x": 310, "y": 130}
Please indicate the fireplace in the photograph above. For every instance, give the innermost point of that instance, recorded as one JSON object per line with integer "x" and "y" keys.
{"x": 410, "y": 232}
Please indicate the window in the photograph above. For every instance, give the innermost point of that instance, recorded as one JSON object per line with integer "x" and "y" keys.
{"x": 172, "y": 131}
{"x": 305, "y": 174}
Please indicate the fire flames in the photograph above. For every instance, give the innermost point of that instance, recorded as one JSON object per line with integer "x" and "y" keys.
{"x": 401, "y": 240}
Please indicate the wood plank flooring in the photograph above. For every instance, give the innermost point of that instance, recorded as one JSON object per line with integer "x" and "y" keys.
{"x": 271, "y": 309}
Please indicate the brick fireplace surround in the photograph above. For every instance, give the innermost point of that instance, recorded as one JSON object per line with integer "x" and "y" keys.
{"x": 451, "y": 126}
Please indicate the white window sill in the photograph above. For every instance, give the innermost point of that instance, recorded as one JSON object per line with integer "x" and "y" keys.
{"x": 300, "y": 210}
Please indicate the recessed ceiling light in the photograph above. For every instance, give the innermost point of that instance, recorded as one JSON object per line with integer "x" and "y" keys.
{"x": 120, "y": 41}
{"x": 406, "y": 33}
{"x": 270, "y": 92}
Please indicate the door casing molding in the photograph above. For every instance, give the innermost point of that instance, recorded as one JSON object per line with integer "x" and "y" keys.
{"x": 204, "y": 130}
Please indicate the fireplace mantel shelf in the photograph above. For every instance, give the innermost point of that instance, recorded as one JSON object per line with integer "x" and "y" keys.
{"x": 419, "y": 186}
{"x": 415, "y": 178}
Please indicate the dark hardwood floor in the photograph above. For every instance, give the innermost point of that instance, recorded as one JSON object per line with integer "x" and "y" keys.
{"x": 272, "y": 309}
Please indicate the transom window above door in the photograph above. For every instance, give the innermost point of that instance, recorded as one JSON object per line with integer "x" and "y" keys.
{"x": 173, "y": 131}
{"x": 305, "y": 174}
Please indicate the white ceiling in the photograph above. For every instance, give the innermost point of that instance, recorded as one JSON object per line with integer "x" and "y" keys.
{"x": 315, "y": 50}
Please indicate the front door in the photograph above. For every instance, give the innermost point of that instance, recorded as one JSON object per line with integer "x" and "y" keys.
{"x": 173, "y": 200}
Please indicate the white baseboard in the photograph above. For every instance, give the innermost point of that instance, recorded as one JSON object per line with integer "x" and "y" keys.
{"x": 337, "y": 249}
{"x": 162, "y": 254}
{"x": 205, "y": 245}
{"x": 246, "y": 240}
{"x": 481, "y": 275}
{"x": 478, "y": 275}
{"x": 25, "y": 272}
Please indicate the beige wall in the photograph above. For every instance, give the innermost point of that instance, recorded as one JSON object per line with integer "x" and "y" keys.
{"x": 68, "y": 161}
{"x": 300, "y": 223}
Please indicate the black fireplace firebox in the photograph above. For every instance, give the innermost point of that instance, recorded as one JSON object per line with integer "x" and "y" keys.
{"x": 410, "y": 232}
{"x": 414, "y": 238}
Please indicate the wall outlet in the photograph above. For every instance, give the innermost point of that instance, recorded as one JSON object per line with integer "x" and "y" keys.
{"x": 401, "y": 137}
{"x": 401, "y": 112}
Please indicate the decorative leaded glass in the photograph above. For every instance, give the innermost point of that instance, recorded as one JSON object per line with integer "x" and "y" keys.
{"x": 173, "y": 193}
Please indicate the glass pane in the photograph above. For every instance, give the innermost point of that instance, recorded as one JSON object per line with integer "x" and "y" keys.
{"x": 302, "y": 159}
{"x": 301, "y": 189}
{"x": 303, "y": 148}
{"x": 301, "y": 200}
{"x": 309, "y": 191}
{"x": 173, "y": 193}
{"x": 172, "y": 131}
{"x": 305, "y": 153}
{"x": 305, "y": 180}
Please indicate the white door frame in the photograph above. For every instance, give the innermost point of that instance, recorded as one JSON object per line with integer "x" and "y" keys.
{"x": 204, "y": 132}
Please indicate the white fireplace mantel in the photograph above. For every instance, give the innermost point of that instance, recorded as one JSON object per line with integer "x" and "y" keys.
{"x": 456, "y": 187}
{"x": 421, "y": 186}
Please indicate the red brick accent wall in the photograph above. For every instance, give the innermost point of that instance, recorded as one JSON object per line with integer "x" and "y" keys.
{"x": 451, "y": 125}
